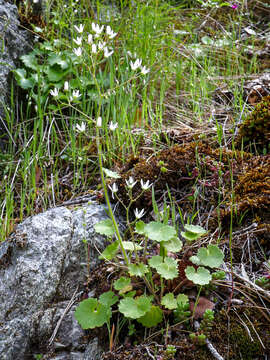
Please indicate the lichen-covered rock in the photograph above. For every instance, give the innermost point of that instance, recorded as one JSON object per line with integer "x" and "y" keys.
{"x": 14, "y": 43}
{"x": 42, "y": 266}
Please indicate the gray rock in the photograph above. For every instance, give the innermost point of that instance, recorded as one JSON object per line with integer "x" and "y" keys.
{"x": 42, "y": 267}
{"x": 14, "y": 43}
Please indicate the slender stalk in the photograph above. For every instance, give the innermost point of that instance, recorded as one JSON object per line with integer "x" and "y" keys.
{"x": 118, "y": 235}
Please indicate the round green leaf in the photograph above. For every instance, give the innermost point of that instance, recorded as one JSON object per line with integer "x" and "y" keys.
{"x": 211, "y": 256}
{"x": 152, "y": 317}
{"x": 201, "y": 277}
{"x": 196, "y": 229}
{"x": 189, "y": 236}
{"x": 137, "y": 269}
{"x": 57, "y": 59}
{"x": 55, "y": 73}
{"x": 131, "y": 246}
{"x": 20, "y": 75}
{"x": 207, "y": 40}
{"x": 108, "y": 298}
{"x": 90, "y": 314}
{"x": 139, "y": 227}
{"x": 121, "y": 283}
{"x": 110, "y": 251}
{"x": 157, "y": 231}
{"x": 134, "y": 308}
{"x": 169, "y": 301}
{"x": 155, "y": 261}
{"x": 195, "y": 260}
{"x": 111, "y": 174}
{"x": 173, "y": 245}
{"x": 182, "y": 300}
{"x": 30, "y": 60}
{"x": 169, "y": 269}
{"x": 105, "y": 227}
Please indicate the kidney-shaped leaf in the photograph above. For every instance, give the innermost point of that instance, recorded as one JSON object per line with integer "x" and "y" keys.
{"x": 168, "y": 268}
{"x": 108, "y": 298}
{"x": 200, "y": 277}
{"x": 110, "y": 251}
{"x": 211, "y": 256}
{"x": 134, "y": 308}
{"x": 90, "y": 314}
{"x": 157, "y": 231}
{"x": 137, "y": 269}
{"x": 105, "y": 227}
{"x": 131, "y": 246}
{"x": 173, "y": 245}
{"x": 152, "y": 317}
{"x": 169, "y": 301}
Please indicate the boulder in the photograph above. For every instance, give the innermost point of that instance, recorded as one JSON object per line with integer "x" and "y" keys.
{"x": 14, "y": 43}
{"x": 43, "y": 267}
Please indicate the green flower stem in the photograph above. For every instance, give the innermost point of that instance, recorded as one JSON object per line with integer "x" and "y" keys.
{"x": 150, "y": 288}
{"x": 196, "y": 302}
{"x": 162, "y": 287}
{"x": 107, "y": 197}
{"x": 162, "y": 251}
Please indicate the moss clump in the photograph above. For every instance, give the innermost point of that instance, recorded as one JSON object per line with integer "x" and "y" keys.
{"x": 243, "y": 344}
{"x": 185, "y": 170}
{"x": 252, "y": 190}
{"x": 234, "y": 340}
{"x": 254, "y": 132}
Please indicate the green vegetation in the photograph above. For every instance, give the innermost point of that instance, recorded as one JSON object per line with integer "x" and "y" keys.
{"x": 142, "y": 103}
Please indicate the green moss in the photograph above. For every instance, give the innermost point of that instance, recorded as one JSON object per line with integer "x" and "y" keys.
{"x": 254, "y": 132}
{"x": 243, "y": 344}
{"x": 237, "y": 340}
{"x": 252, "y": 189}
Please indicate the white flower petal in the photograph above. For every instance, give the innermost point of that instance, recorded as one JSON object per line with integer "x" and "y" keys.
{"x": 79, "y": 28}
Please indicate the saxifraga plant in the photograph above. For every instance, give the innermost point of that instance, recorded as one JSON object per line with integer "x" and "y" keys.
{"x": 54, "y": 77}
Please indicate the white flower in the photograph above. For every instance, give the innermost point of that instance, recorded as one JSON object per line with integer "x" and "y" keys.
{"x": 99, "y": 121}
{"x": 138, "y": 214}
{"x": 81, "y": 128}
{"x": 136, "y": 64}
{"x": 113, "y": 189}
{"x": 54, "y": 92}
{"x": 78, "y": 41}
{"x": 98, "y": 30}
{"x": 113, "y": 126}
{"x": 90, "y": 39}
{"x": 78, "y": 51}
{"x": 107, "y": 53}
{"x": 79, "y": 28}
{"x": 130, "y": 182}
{"x": 110, "y": 33}
{"x": 146, "y": 185}
{"x": 101, "y": 45}
{"x": 144, "y": 70}
{"x": 76, "y": 94}
{"x": 66, "y": 86}
{"x": 94, "y": 48}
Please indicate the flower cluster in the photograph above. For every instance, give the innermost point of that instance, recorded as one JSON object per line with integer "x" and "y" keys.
{"x": 75, "y": 93}
{"x": 138, "y": 64}
{"x": 130, "y": 184}
{"x": 96, "y": 41}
